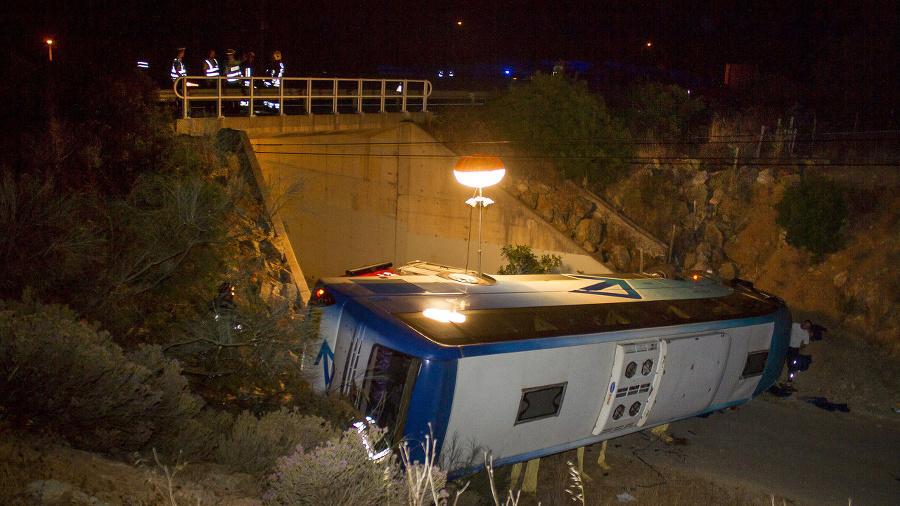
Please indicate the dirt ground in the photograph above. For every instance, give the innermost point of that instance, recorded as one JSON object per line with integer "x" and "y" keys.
{"x": 68, "y": 476}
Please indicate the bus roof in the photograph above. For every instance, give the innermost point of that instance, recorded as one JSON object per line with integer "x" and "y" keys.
{"x": 507, "y": 308}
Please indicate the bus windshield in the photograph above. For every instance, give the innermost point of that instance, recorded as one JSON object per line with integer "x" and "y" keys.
{"x": 387, "y": 388}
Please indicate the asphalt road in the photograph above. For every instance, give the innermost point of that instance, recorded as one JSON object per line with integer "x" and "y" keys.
{"x": 787, "y": 448}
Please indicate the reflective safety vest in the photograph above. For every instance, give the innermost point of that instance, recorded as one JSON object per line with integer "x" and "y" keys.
{"x": 212, "y": 67}
{"x": 276, "y": 73}
{"x": 233, "y": 70}
{"x": 177, "y": 69}
{"x": 248, "y": 72}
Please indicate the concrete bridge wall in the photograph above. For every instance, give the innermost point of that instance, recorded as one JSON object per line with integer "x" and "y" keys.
{"x": 380, "y": 190}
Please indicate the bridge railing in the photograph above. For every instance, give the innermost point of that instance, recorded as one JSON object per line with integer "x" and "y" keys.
{"x": 299, "y": 95}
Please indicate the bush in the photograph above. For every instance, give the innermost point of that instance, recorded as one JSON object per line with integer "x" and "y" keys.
{"x": 337, "y": 473}
{"x": 253, "y": 444}
{"x": 62, "y": 375}
{"x": 813, "y": 213}
{"x": 553, "y": 118}
{"x": 46, "y": 239}
{"x": 663, "y": 112}
{"x": 523, "y": 261}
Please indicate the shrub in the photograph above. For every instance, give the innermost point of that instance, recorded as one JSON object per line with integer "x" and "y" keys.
{"x": 337, "y": 473}
{"x": 523, "y": 261}
{"x": 664, "y": 112}
{"x": 197, "y": 439}
{"x": 813, "y": 213}
{"x": 62, "y": 375}
{"x": 550, "y": 117}
{"x": 250, "y": 356}
{"x": 46, "y": 241}
{"x": 254, "y": 444}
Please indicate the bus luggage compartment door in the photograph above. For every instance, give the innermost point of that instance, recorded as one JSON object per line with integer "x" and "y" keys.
{"x": 690, "y": 376}
{"x": 632, "y": 380}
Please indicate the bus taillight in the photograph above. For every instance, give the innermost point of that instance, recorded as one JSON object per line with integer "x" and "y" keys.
{"x": 321, "y": 298}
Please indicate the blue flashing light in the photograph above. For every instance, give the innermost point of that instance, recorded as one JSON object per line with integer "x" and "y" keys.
{"x": 507, "y": 71}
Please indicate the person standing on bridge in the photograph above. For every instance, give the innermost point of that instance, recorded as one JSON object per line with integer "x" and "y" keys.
{"x": 212, "y": 69}
{"x": 232, "y": 69}
{"x": 248, "y": 64}
{"x": 275, "y": 72}
{"x": 178, "y": 69}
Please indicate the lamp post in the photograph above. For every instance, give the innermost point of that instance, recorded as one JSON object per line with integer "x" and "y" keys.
{"x": 50, "y": 48}
{"x": 479, "y": 172}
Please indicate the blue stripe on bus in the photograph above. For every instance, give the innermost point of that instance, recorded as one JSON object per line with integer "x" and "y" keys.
{"x": 432, "y": 401}
{"x": 777, "y": 351}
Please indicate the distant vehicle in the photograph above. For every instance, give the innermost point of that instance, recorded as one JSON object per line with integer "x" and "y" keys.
{"x": 531, "y": 365}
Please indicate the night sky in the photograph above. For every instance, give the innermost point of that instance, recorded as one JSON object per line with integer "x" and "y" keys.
{"x": 353, "y": 37}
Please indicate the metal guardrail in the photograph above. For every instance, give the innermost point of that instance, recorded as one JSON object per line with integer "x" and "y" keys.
{"x": 303, "y": 94}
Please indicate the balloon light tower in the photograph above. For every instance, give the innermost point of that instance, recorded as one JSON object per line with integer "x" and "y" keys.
{"x": 479, "y": 172}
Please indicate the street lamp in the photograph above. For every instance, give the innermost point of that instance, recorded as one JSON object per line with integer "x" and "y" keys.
{"x": 50, "y": 48}
{"x": 479, "y": 172}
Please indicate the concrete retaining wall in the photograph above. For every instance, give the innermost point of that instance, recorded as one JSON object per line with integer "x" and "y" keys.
{"x": 386, "y": 192}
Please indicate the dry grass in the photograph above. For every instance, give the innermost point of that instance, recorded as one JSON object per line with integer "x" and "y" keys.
{"x": 629, "y": 475}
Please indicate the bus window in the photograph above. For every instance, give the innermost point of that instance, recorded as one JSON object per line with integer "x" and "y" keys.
{"x": 387, "y": 388}
{"x": 540, "y": 402}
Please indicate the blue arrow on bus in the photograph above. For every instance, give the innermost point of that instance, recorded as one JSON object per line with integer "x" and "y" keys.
{"x": 610, "y": 287}
{"x": 326, "y": 353}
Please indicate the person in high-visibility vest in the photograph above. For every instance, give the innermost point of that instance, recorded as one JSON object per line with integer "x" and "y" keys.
{"x": 275, "y": 72}
{"x": 247, "y": 65}
{"x": 178, "y": 69}
{"x": 212, "y": 68}
{"x": 232, "y": 69}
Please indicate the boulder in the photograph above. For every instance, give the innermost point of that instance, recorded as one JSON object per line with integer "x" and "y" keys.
{"x": 620, "y": 257}
{"x": 713, "y": 236}
{"x": 545, "y": 208}
{"x": 290, "y": 293}
{"x": 700, "y": 178}
{"x": 840, "y": 279}
{"x": 717, "y": 198}
{"x": 588, "y": 231}
{"x": 728, "y": 271}
{"x": 529, "y": 198}
{"x": 271, "y": 251}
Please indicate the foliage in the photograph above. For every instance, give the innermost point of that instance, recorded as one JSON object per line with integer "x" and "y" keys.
{"x": 46, "y": 237}
{"x": 576, "y": 488}
{"x": 813, "y": 213}
{"x": 338, "y": 473}
{"x": 662, "y": 111}
{"x": 424, "y": 481}
{"x": 253, "y": 444}
{"x": 554, "y": 118}
{"x": 250, "y": 357}
{"x": 649, "y": 196}
{"x": 62, "y": 375}
{"x": 197, "y": 439}
{"x": 523, "y": 261}
{"x": 107, "y": 139}
{"x": 163, "y": 244}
